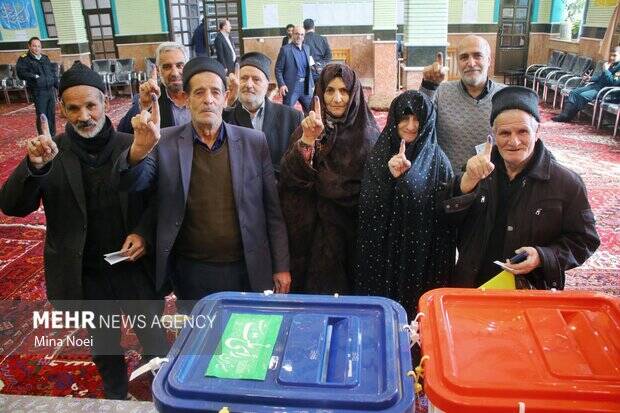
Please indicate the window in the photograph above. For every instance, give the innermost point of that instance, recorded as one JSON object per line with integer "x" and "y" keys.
{"x": 218, "y": 10}
{"x": 185, "y": 16}
{"x": 48, "y": 14}
{"x": 99, "y": 27}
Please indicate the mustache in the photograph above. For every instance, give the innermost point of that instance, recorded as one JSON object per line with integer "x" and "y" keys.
{"x": 85, "y": 124}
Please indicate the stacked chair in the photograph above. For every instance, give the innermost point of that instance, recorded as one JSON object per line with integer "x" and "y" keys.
{"x": 123, "y": 74}
{"x": 104, "y": 68}
{"x": 116, "y": 72}
{"x": 563, "y": 73}
{"x": 9, "y": 82}
{"x": 149, "y": 65}
{"x": 607, "y": 98}
{"x": 555, "y": 60}
{"x": 556, "y": 80}
{"x": 546, "y": 73}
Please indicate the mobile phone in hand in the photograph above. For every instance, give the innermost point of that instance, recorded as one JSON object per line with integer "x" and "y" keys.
{"x": 520, "y": 257}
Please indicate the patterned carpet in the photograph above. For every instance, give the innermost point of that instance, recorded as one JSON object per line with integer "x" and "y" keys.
{"x": 593, "y": 154}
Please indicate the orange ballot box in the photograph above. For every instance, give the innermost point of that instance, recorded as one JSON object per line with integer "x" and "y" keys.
{"x": 520, "y": 351}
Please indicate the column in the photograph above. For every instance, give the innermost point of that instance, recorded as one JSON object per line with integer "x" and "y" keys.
{"x": 72, "y": 38}
{"x": 426, "y": 33}
{"x": 385, "y": 56}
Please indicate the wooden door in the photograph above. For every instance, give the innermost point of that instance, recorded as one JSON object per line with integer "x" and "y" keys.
{"x": 513, "y": 35}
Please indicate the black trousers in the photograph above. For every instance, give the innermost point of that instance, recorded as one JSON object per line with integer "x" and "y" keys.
{"x": 194, "y": 280}
{"x": 45, "y": 103}
{"x": 122, "y": 290}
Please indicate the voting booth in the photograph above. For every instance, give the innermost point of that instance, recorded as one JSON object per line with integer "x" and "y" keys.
{"x": 265, "y": 353}
{"x": 520, "y": 351}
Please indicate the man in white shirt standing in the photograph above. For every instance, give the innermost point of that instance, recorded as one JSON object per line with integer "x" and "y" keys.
{"x": 224, "y": 48}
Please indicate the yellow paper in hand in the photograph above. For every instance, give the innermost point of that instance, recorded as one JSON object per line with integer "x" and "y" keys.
{"x": 503, "y": 281}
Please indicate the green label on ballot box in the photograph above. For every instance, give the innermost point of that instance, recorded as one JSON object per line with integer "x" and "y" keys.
{"x": 245, "y": 347}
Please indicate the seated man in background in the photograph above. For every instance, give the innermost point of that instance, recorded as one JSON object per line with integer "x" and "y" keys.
{"x": 581, "y": 96}
{"x": 170, "y": 58}
{"x": 515, "y": 197}
{"x": 254, "y": 110}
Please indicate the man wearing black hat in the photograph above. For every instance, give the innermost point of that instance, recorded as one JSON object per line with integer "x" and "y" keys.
{"x": 219, "y": 224}
{"x": 254, "y": 110}
{"x": 87, "y": 218}
{"x": 515, "y": 197}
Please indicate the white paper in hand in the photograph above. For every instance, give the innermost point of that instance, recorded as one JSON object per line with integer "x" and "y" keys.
{"x": 114, "y": 257}
{"x": 504, "y": 266}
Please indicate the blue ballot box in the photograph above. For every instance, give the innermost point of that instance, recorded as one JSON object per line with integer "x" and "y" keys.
{"x": 336, "y": 354}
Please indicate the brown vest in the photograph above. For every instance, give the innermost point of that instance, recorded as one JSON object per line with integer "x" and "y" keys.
{"x": 210, "y": 230}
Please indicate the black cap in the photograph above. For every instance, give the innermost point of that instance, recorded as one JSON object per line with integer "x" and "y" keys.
{"x": 258, "y": 60}
{"x": 515, "y": 97}
{"x": 202, "y": 64}
{"x": 79, "y": 74}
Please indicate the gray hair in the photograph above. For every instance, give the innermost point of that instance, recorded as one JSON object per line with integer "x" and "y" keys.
{"x": 533, "y": 122}
{"x": 166, "y": 46}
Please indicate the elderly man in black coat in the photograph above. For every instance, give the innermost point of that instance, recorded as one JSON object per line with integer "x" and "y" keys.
{"x": 254, "y": 110}
{"x": 515, "y": 197}
{"x": 87, "y": 218}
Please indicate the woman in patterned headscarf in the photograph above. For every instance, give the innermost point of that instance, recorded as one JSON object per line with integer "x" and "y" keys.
{"x": 404, "y": 247}
{"x": 320, "y": 179}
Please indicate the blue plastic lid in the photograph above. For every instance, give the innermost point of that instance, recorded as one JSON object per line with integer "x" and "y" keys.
{"x": 342, "y": 354}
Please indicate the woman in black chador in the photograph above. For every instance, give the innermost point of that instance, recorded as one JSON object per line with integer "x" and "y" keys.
{"x": 404, "y": 246}
{"x": 320, "y": 179}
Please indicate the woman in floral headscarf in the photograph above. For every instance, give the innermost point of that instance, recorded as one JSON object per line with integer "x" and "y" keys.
{"x": 320, "y": 180}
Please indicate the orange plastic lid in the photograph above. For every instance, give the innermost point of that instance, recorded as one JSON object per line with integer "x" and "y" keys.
{"x": 488, "y": 351}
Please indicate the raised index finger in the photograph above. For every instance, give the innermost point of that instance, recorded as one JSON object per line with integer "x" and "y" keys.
{"x": 237, "y": 69}
{"x": 316, "y": 106}
{"x": 154, "y": 109}
{"x": 488, "y": 147}
{"x": 401, "y": 151}
{"x": 154, "y": 73}
{"x": 45, "y": 126}
{"x": 440, "y": 58}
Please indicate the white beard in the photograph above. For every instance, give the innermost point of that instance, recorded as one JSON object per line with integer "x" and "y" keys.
{"x": 92, "y": 133}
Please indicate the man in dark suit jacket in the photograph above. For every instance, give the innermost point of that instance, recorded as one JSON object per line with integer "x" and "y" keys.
{"x": 219, "y": 224}
{"x": 224, "y": 48}
{"x": 86, "y": 217}
{"x": 199, "y": 42}
{"x": 40, "y": 76}
{"x": 319, "y": 48}
{"x": 255, "y": 111}
{"x": 293, "y": 72}
{"x": 170, "y": 58}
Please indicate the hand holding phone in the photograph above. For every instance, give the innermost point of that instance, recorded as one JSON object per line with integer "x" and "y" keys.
{"x": 526, "y": 261}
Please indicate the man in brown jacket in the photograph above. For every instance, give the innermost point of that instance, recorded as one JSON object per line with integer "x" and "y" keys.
{"x": 516, "y": 198}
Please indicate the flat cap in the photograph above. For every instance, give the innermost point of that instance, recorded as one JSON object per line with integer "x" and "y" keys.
{"x": 202, "y": 64}
{"x": 515, "y": 97}
{"x": 258, "y": 60}
{"x": 78, "y": 75}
